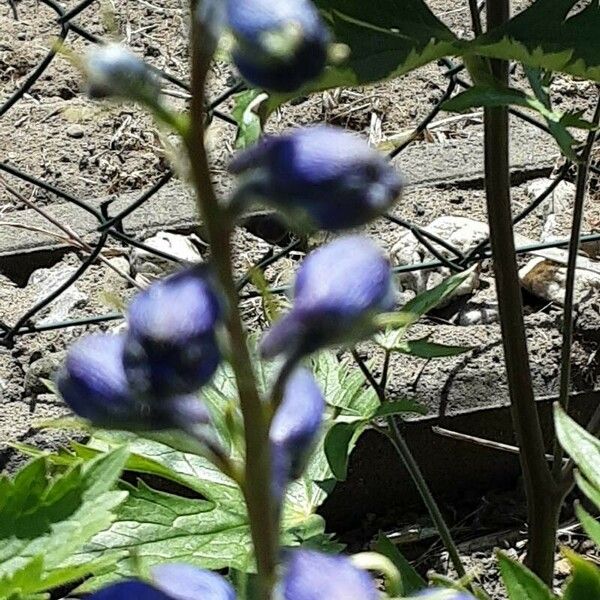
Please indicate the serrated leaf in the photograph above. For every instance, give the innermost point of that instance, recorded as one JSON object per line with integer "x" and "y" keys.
{"x": 423, "y": 348}
{"x": 549, "y": 36}
{"x": 584, "y": 582}
{"x": 385, "y": 39}
{"x": 520, "y": 582}
{"x": 44, "y": 519}
{"x": 412, "y": 582}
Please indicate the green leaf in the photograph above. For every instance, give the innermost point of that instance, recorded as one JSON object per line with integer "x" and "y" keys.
{"x": 549, "y": 36}
{"x": 423, "y": 348}
{"x": 245, "y": 107}
{"x": 412, "y": 582}
{"x": 583, "y": 447}
{"x": 593, "y": 493}
{"x": 584, "y": 583}
{"x": 397, "y": 407}
{"x": 339, "y": 443}
{"x": 589, "y": 523}
{"x": 385, "y": 39}
{"x": 520, "y": 582}
{"x": 44, "y": 519}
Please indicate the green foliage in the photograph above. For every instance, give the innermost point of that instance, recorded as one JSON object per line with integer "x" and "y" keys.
{"x": 520, "y": 582}
{"x": 412, "y": 582}
{"x": 245, "y": 113}
{"x": 46, "y": 518}
{"x": 584, "y": 582}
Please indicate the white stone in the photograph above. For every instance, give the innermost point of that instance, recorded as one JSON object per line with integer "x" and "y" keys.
{"x": 148, "y": 266}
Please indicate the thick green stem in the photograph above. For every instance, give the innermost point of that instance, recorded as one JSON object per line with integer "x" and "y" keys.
{"x": 543, "y": 498}
{"x": 257, "y": 479}
{"x": 569, "y": 304}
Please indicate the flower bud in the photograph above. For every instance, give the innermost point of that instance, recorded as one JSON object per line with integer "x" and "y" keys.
{"x": 115, "y": 72}
{"x": 311, "y": 575}
{"x": 339, "y": 289}
{"x": 320, "y": 177}
{"x": 294, "y": 428}
{"x": 129, "y": 590}
{"x": 185, "y": 582}
{"x": 94, "y": 386}
{"x": 171, "y": 345}
{"x": 279, "y": 45}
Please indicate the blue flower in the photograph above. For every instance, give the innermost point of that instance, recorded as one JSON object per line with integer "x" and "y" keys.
{"x": 171, "y": 346}
{"x": 113, "y": 71}
{"x": 94, "y": 385}
{"x": 444, "y": 594}
{"x": 185, "y": 582}
{"x": 279, "y": 45}
{"x": 339, "y": 288}
{"x": 311, "y": 575}
{"x": 171, "y": 582}
{"x": 294, "y": 428}
{"x": 322, "y": 176}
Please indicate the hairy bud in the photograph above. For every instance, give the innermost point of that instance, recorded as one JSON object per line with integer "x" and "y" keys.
{"x": 318, "y": 177}
{"x": 295, "y": 427}
{"x": 279, "y": 45}
{"x": 339, "y": 288}
{"x": 115, "y": 72}
{"x": 171, "y": 345}
{"x": 94, "y": 386}
{"x": 311, "y": 575}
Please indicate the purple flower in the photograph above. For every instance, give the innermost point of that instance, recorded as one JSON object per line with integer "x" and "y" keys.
{"x": 311, "y": 575}
{"x": 323, "y": 177}
{"x": 94, "y": 386}
{"x": 171, "y": 345}
{"x": 279, "y": 45}
{"x": 113, "y": 71}
{"x": 129, "y": 590}
{"x": 294, "y": 428}
{"x": 444, "y": 594}
{"x": 185, "y": 582}
{"x": 171, "y": 582}
{"x": 339, "y": 288}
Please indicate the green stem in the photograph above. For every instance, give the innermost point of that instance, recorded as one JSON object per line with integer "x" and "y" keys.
{"x": 574, "y": 243}
{"x": 543, "y": 498}
{"x": 257, "y": 479}
{"x": 397, "y": 440}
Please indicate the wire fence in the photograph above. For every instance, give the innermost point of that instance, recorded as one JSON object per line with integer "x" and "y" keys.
{"x": 110, "y": 226}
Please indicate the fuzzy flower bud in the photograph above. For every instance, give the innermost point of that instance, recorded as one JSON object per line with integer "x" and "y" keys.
{"x": 280, "y": 45}
{"x": 311, "y": 575}
{"x": 171, "y": 345}
{"x": 171, "y": 582}
{"x": 318, "y": 177}
{"x": 115, "y": 72}
{"x": 339, "y": 288}
{"x": 294, "y": 428}
{"x": 94, "y": 386}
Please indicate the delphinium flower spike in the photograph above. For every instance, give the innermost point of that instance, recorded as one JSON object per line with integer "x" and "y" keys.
{"x": 280, "y": 45}
{"x": 171, "y": 345}
{"x": 294, "y": 429}
{"x": 318, "y": 177}
{"x": 339, "y": 289}
{"x": 311, "y": 575}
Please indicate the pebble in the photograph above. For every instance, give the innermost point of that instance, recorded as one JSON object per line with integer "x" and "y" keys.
{"x": 75, "y": 131}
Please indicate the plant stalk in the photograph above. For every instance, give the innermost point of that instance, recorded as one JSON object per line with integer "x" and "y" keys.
{"x": 257, "y": 478}
{"x": 569, "y": 303}
{"x": 543, "y": 498}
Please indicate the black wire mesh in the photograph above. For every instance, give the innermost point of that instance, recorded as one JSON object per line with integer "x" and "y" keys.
{"x": 111, "y": 226}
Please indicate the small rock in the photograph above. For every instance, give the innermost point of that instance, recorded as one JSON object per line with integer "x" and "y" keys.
{"x": 558, "y": 201}
{"x": 461, "y": 232}
{"x": 44, "y": 368}
{"x": 546, "y": 278}
{"x": 148, "y": 266}
{"x": 75, "y": 131}
{"x": 482, "y": 315}
{"x": 43, "y": 281}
